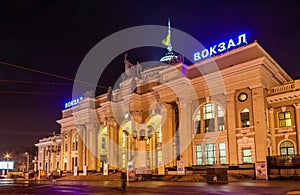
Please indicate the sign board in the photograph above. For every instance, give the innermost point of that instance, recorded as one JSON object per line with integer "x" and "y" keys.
{"x": 75, "y": 171}
{"x": 73, "y": 102}
{"x": 180, "y": 167}
{"x": 261, "y": 170}
{"x": 221, "y": 47}
{"x": 161, "y": 168}
{"x": 4, "y": 165}
{"x": 84, "y": 172}
{"x": 105, "y": 169}
{"x": 130, "y": 171}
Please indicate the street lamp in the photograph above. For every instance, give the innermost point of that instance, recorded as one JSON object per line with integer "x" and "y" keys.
{"x": 7, "y": 156}
{"x": 27, "y": 164}
{"x": 143, "y": 134}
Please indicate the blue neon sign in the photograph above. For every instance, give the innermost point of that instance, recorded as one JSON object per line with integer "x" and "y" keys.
{"x": 73, "y": 102}
{"x": 221, "y": 47}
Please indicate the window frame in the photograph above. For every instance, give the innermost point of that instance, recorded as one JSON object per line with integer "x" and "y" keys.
{"x": 247, "y": 156}
{"x": 285, "y": 119}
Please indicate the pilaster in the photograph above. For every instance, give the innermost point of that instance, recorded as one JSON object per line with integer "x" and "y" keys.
{"x": 272, "y": 130}
{"x": 231, "y": 124}
{"x": 260, "y": 126}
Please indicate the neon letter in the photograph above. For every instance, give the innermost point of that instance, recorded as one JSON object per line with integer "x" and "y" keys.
{"x": 230, "y": 44}
{"x": 242, "y": 39}
{"x": 221, "y": 47}
{"x": 197, "y": 56}
{"x": 204, "y": 53}
{"x": 212, "y": 50}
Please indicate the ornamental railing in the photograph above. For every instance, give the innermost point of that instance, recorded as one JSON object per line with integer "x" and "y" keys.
{"x": 283, "y": 161}
{"x": 281, "y": 88}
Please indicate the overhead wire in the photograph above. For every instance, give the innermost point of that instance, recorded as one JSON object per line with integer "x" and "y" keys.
{"x": 50, "y": 74}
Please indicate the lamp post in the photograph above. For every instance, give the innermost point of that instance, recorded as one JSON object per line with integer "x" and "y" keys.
{"x": 27, "y": 163}
{"x": 7, "y": 156}
{"x": 144, "y": 136}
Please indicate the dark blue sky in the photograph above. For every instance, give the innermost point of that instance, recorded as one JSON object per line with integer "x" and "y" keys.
{"x": 54, "y": 36}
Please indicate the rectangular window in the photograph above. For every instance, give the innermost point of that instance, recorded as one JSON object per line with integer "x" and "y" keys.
{"x": 208, "y": 111}
{"x": 285, "y": 119}
{"x": 210, "y": 154}
{"x": 222, "y": 153}
{"x": 198, "y": 155}
{"x": 247, "y": 155}
{"x": 159, "y": 156}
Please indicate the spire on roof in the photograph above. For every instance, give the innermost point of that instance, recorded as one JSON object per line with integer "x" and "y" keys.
{"x": 167, "y": 42}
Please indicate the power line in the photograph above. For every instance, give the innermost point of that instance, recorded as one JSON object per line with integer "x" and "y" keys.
{"x": 50, "y": 74}
{"x": 34, "y": 82}
{"x": 32, "y": 93}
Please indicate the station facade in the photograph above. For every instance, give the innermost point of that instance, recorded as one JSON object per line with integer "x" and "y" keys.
{"x": 239, "y": 112}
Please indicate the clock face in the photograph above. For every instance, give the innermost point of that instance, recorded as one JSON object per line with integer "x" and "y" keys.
{"x": 243, "y": 97}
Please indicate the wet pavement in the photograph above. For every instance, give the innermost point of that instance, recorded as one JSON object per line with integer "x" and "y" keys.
{"x": 147, "y": 187}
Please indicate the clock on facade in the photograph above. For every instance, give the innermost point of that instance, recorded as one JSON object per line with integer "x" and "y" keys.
{"x": 243, "y": 97}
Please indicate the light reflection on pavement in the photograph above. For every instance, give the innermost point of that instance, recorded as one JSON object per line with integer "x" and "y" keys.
{"x": 147, "y": 187}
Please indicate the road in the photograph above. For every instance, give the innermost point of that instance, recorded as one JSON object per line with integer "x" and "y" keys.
{"x": 147, "y": 187}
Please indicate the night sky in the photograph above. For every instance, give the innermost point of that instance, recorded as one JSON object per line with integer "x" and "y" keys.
{"x": 54, "y": 36}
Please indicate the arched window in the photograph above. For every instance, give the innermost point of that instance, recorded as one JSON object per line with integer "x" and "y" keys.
{"x": 287, "y": 148}
{"x": 212, "y": 118}
{"x": 245, "y": 117}
{"x": 75, "y": 142}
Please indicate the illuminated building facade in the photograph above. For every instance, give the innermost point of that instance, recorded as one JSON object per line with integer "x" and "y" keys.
{"x": 49, "y": 157}
{"x": 240, "y": 113}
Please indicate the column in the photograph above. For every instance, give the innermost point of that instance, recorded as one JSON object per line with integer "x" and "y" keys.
{"x": 231, "y": 125}
{"x": 92, "y": 130}
{"x": 95, "y": 131}
{"x": 297, "y": 121}
{"x": 80, "y": 129}
{"x": 69, "y": 165}
{"x": 260, "y": 126}
{"x": 168, "y": 135}
{"x": 185, "y": 132}
{"x": 272, "y": 130}
{"x": 112, "y": 150}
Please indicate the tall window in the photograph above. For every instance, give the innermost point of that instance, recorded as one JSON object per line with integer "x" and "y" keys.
{"x": 124, "y": 135}
{"x": 208, "y": 115}
{"x": 123, "y": 160}
{"x": 198, "y": 155}
{"x": 198, "y": 122}
{"x": 285, "y": 119}
{"x": 287, "y": 148}
{"x": 222, "y": 153}
{"x": 247, "y": 155}
{"x": 220, "y": 119}
{"x": 245, "y": 117}
{"x": 159, "y": 156}
{"x": 66, "y": 142}
{"x": 210, "y": 154}
{"x": 75, "y": 142}
{"x": 158, "y": 144}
